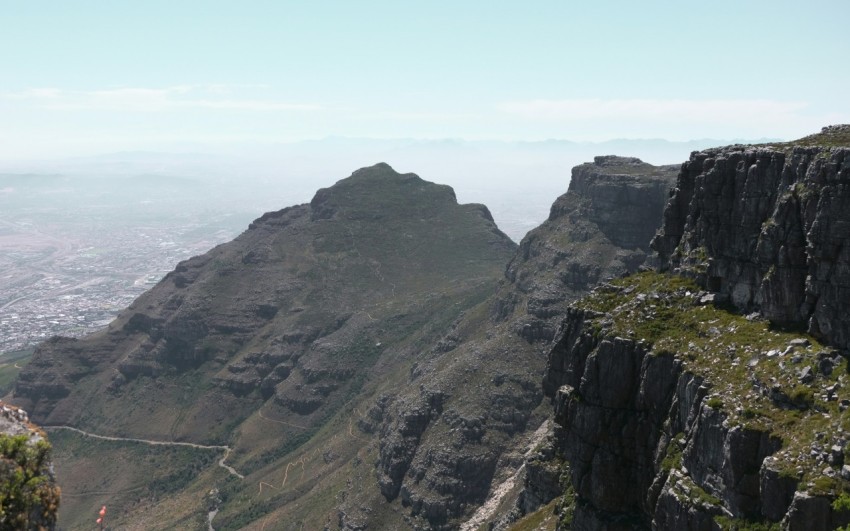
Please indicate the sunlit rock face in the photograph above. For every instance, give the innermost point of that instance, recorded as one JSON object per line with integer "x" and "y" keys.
{"x": 768, "y": 227}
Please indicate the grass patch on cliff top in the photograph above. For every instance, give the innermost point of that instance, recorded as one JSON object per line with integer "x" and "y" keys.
{"x": 11, "y": 364}
{"x": 543, "y": 519}
{"x": 754, "y": 370}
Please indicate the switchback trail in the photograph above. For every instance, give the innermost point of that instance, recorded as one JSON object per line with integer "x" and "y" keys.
{"x": 221, "y": 461}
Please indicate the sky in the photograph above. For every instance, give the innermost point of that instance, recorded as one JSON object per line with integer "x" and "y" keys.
{"x": 86, "y": 77}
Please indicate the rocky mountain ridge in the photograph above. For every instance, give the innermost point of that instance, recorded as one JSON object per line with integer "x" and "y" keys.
{"x": 262, "y": 342}
{"x": 364, "y": 341}
{"x": 357, "y": 338}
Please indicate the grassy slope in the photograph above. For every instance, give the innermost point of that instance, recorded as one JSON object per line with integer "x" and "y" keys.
{"x": 10, "y": 365}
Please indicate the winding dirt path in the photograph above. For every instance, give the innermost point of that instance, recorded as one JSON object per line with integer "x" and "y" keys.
{"x": 260, "y": 413}
{"x": 308, "y": 457}
{"x": 221, "y": 461}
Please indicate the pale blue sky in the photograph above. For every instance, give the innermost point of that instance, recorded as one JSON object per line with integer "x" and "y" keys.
{"x": 83, "y": 77}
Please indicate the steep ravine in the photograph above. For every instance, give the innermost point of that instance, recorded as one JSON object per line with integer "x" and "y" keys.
{"x": 714, "y": 395}
{"x": 448, "y": 434}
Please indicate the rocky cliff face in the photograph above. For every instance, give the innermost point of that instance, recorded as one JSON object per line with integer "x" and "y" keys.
{"x": 768, "y": 227}
{"x": 680, "y": 411}
{"x": 29, "y": 496}
{"x": 599, "y": 229}
{"x": 680, "y": 415}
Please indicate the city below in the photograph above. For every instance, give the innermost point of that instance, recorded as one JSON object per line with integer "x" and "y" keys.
{"x": 75, "y": 251}
{"x": 73, "y": 285}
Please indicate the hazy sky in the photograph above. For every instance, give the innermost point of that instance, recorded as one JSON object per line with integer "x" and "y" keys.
{"x": 82, "y": 77}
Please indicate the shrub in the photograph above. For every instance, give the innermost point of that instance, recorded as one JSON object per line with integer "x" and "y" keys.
{"x": 841, "y": 503}
{"x": 26, "y": 490}
{"x": 715, "y": 403}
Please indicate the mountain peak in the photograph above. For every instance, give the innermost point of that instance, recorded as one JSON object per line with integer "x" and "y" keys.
{"x": 380, "y": 190}
{"x": 375, "y": 168}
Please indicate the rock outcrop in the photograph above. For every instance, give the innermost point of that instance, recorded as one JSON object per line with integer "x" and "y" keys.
{"x": 599, "y": 229}
{"x": 671, "y": 416}
{"x": 29, "y": 496}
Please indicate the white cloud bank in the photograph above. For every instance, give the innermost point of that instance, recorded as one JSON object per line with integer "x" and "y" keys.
{"x": 673, "y": 119}
{"x": 150, "y": 99}
{"x": 674, "y": 110}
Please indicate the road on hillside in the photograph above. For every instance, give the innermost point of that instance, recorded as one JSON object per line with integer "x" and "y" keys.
{"x": 221, "y": 462}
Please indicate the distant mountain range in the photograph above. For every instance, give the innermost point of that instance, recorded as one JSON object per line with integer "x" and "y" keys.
{"x": 485, "y": 172}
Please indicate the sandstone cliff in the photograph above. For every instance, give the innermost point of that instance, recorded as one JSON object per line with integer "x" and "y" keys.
{"x": 768, "y": 227}
{"x": 717, "y": 399}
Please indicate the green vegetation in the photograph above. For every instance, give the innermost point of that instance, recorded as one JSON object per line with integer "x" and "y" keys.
{"x": 841, "y": 503}
{"x": 825, "y": 486}
{"x": 715, "y": 403}
{"x": 566, "y": 504}
{"x": 802, "y": 395}
{"x": 673, "y": 458}
{"x": 839, "y": 138}
{"x": 805, "y": 192}
{"x": 685, "y": 489}
{"x": 27, "y": 495}
{"x": 122, "y": 475}
{"x": 831, "y": 138}
{"x": 699, "y": 496}
{"x": 566, "y": 509}
{"x": 741, "y": 524}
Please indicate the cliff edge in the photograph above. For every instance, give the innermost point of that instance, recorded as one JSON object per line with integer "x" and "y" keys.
{"x": 712, "y": 394}
{"x": 768, "y": 227}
